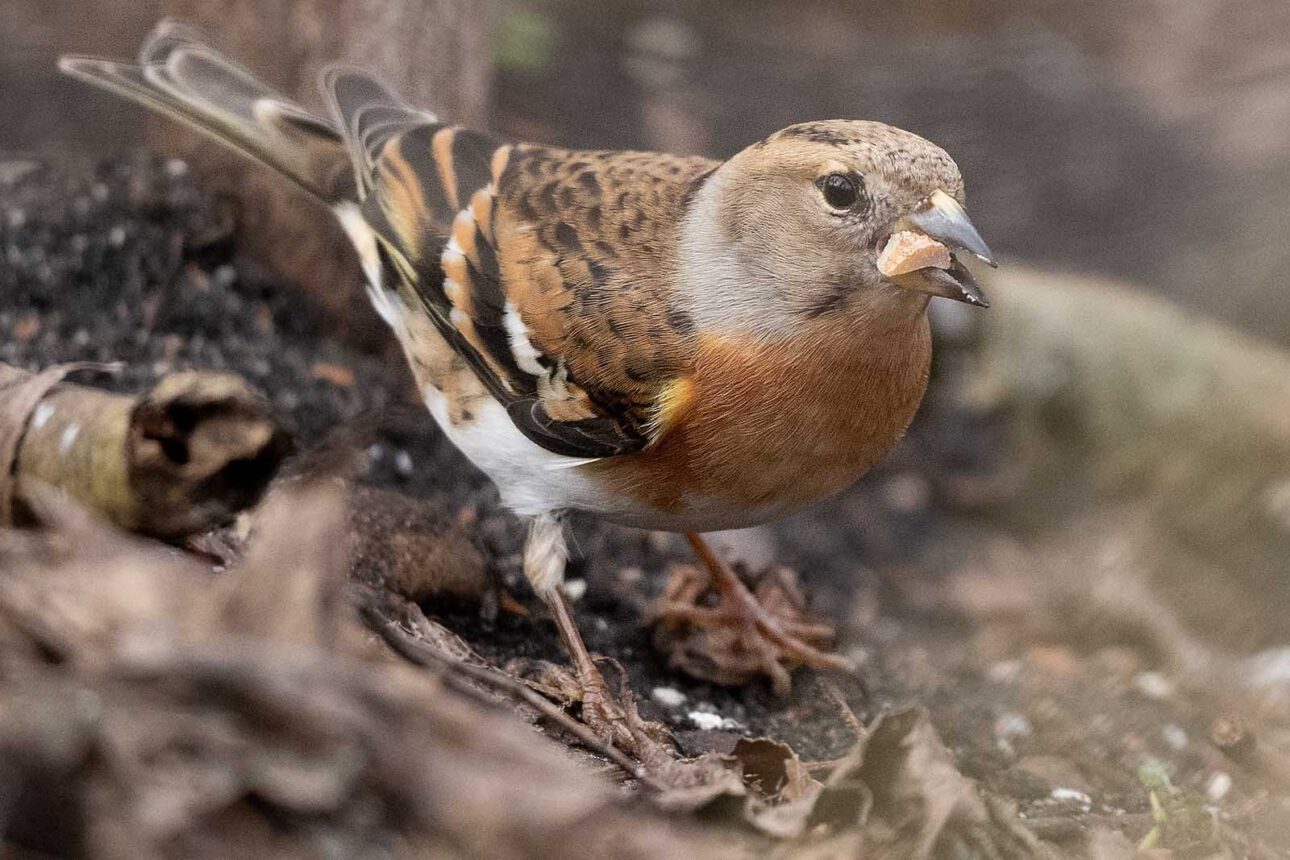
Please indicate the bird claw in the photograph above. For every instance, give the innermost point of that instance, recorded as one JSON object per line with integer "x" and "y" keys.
{"x": 614, "y": 718}
{"x": 744, "y": 633}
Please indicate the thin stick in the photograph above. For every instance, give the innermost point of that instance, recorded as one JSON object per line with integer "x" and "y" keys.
{"x": 422, "y": 653}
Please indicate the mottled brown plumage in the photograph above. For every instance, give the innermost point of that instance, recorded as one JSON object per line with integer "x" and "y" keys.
{"x": 587, "y": 246}
{"x": 580, "y": 245}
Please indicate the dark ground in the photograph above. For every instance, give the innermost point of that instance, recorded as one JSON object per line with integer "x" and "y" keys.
{"x": 129, "y": 262}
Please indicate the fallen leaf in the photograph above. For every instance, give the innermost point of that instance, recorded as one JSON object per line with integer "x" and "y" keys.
{"x": 899, "y": 784}
{"x": 922, "y": 806}
{"x": 414, "y": 546}
{"x": 761, "y": 782}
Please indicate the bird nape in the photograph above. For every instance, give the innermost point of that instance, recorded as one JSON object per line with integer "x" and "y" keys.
{"x": 667, "y": 342}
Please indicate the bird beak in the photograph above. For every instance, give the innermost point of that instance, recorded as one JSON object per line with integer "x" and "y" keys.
{"x": 942, "y": 218}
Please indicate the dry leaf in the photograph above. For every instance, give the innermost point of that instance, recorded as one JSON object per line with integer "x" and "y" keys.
{"x": 921, "y": 805}
{"x": 899, "y": 783}
{"x": 762, "y": 782}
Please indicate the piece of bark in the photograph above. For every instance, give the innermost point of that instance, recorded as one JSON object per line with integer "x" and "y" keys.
{"x": 186, "y": 455}
{"x": 435, "y": 53}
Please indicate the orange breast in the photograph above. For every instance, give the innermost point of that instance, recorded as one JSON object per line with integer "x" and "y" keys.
{"x": 774, "y": 427}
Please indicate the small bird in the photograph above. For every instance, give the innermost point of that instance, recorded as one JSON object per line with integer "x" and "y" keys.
{"x": 668, "y": 342}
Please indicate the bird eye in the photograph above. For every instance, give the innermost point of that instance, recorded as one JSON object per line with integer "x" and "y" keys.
{"x": 841, "y": 190}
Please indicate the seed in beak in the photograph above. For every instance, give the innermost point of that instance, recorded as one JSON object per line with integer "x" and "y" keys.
{"x": 908, "y": 251}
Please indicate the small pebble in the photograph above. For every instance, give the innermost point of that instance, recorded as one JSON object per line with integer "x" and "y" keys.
{"x": 858, "y": 655}
{"x": 1218, "y": 786}
{"x": 1072, "y": 794}
{"x": 575, "y": 589}
{"x": 1174, "y": 735}
{"x": 1004, "y": 671}
{"x": 709, "y": 722}
{"x": 1013, "y": 725}
{"x": 668, "y": 697}
{"x": 907, "y": 493}
{"x": 224, "y": 276}
{"x": 1153, "y": 685}
{"x": 1009, "y": 727}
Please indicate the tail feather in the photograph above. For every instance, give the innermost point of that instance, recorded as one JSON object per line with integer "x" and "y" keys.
{"x": 168, "y": 34}
{"x": 181, "y": 76}
{"x": 368, "y": 113}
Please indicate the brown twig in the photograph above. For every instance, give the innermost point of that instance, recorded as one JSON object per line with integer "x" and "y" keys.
{"x": 848, "y": 715}
{"x": 422, "y": 653}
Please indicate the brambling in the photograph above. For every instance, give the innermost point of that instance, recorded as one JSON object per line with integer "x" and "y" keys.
{"x": 665, "y": 341}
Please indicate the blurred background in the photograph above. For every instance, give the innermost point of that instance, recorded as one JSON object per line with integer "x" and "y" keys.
{"x": 1146, "y": 141}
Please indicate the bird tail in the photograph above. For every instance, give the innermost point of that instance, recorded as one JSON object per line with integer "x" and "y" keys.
{"x": 181, "y": 76}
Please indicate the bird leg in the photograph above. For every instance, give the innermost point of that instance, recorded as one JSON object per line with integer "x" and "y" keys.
{"x": 742, "y": 635}
{"x": 617, "y": 723}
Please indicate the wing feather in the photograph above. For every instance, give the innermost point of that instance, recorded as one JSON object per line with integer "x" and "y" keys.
{"x": 519, "y": 251}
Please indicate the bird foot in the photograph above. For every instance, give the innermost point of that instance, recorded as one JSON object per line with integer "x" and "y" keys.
{"x": 613, "y": 717}
{"x": 617, "y": 720}
{"x": 731, "y": 635}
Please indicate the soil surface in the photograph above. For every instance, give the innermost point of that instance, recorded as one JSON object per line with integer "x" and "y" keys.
{"x": 129, "y": 261}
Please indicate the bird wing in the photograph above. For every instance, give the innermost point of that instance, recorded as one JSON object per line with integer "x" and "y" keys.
{"x": 546, "y": 269}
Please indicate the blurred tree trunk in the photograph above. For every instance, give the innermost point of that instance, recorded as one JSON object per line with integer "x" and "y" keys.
{"x": 435, "y": 52}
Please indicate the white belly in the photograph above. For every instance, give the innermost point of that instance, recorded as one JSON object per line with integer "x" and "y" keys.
{"x": 531, "y": 479}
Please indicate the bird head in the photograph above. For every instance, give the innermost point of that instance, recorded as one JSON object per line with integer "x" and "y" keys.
{"x": 819, "y": 218}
